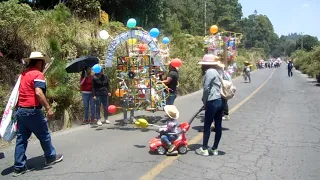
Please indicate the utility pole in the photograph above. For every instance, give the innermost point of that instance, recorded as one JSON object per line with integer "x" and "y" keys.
{"x": 205, "y": 17}
{"x": 301, "y": 41}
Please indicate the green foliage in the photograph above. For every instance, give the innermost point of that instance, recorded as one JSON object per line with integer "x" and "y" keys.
{"x": 307, "y": 41}
{"x": 308, "y": 62}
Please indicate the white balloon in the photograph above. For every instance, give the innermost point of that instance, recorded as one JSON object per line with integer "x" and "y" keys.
{"x": 104, "y": 34}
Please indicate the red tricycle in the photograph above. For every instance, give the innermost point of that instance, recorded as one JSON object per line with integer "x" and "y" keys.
{"x": 181, "y": 143}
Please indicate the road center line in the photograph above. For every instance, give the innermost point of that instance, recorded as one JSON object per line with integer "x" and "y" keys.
{"x": 156, "y": 170}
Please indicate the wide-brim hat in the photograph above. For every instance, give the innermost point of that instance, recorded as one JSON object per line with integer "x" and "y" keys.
{"x": 209, "y": 59}
{"x": 171, "y": 111}
{"x": 37, "y": 55}
{"x": 168, "y": 63}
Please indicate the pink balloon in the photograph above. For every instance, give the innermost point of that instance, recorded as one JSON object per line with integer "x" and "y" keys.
{"x": 112, "y": 109}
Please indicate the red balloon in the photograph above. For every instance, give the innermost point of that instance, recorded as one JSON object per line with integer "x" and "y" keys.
{"x": 112, "y": 109}
{"x": 176, "y": 62}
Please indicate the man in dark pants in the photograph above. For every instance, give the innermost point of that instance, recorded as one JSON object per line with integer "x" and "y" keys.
{"x": 101, "y": 92}
{"x": 29, "y": 115}
{"x": 290, "y": 67}
{"x": 172, "y": 83}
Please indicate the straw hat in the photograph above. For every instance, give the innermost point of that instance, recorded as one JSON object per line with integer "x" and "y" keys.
{"x": 37, "y": 55}
{"x": 209, "y": 59}
{"x": 171, "y": 111}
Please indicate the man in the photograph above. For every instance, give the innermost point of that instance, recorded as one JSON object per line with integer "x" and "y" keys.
{"x": 172, "y": 83}
{"x": 29, "y": 115}
{"x": 290, "y": 67}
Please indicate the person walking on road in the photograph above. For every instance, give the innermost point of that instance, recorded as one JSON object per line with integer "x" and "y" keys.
{"x": 30, "y": 117}
{"x": 246, "y": 72}
{"x": 87, "y": 97}
{"x": 172, "y": 83}
{"x": 213, "y": 104}
{"x": 101, "y": 91}
{"x": 290, "y": 67}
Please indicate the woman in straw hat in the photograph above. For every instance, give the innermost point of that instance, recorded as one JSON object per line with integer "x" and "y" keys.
{"x": 212, "y": 102}
{"x": 171, "y": 126}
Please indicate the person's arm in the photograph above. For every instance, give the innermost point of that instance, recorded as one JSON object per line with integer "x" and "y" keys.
{"x": 168, "y": 80}
{"x": 42, "y": 98}
{"x": 207, "y": 84}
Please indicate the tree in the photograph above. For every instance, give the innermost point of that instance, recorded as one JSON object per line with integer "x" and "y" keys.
{"x": 307, "y": 41}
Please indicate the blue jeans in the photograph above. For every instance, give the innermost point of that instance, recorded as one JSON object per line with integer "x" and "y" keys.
{"x": 88, "y": 102}
{"x": 32, "y": 121}
{"x": 104, "y": 101}
{"x": 213, "y": 111}
{"x": 168, "y": 138}
{"x": 172, "y": 96}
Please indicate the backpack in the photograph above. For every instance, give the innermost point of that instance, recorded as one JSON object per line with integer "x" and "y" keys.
{"x": 290, "y": 66}
{"x": 247, "y": 69}
{"x": 227, "y": 89}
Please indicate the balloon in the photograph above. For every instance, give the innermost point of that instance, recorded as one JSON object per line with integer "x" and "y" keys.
{"x": 132, "y": 41}
{"x": 154, "y": 32}
{"x": 119, "y": 92}
{"x": 96, "y": 68}
{"x": 112, "y": 109}
{"x": 142, "y": 47}
{"x": 104, "y": 34}
{"x": 165, "y": 40}
{"x": 131, "y": 23}
{"x": 213, "y": 29}
{"x": 176, "y": 62}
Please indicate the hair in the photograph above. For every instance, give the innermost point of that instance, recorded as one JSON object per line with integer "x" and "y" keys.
{"x": 33, "y": 62}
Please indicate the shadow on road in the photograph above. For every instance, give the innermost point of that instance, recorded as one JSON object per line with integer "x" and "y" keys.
{"x": 200, "y": 128}
{"x": 314, "y": 82}
{"x": 34, "y": 164}
{"x": 2, "y": 155}
{"x": 194, "y": 147}
{"x": 139, "y": 146}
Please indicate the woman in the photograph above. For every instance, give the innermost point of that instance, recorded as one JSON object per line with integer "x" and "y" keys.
{"x": 212, "y": 102}
{"x": 101, "y": 91}
{"x": 87, "y": 97}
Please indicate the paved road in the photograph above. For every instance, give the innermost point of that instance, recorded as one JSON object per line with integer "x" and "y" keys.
{"x": 274, "y": 135}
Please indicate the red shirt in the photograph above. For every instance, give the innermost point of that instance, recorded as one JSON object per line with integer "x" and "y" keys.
{"x": 30, "y": 79}
{"x": 86, "y": 84}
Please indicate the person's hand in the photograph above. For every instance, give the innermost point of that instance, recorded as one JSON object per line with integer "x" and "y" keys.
{"x": 159, "y": 82}
{"x": 50, "y": 114}
{"x": 94, "y": 98}
{"x": 109, "y": 94}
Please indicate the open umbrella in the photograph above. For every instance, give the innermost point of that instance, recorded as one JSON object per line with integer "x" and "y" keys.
{"x": 79, "y": 64}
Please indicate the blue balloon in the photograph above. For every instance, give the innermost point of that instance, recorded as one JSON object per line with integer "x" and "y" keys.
{"x": 165, "y": 40}
{"x": 154, "y": 32}
{"x": 131, "y": 23}
{"x": 96, "y": 68}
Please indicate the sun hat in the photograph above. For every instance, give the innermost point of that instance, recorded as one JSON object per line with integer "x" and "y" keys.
{"x": 209, "y": 59}
{"x": 37, "y": 55}
{"x": 171, "y": 111}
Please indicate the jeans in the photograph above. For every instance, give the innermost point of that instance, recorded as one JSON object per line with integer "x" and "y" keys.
{"x": 104, "y": 101}
{"x": 226, "y": 107}
{"x": 31, "y": 121}
{"x": 125, "y": 111}
{"x": 168, "y": 138}
{"x": 290, "y": 72}
{"x": 214, "y": 111}
{"x": 88, "y": 102}
{"x": 171, "y": 97}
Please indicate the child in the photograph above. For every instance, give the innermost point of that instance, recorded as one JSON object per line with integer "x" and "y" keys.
{"x": 171, "y": 126}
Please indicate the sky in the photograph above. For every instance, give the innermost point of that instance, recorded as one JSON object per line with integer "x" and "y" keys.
{"x": 287, "y": 16}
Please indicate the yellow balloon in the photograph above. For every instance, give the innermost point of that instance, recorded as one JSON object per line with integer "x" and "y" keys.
{"x": 132, "y": 41}
{"x": 214, "y": 29}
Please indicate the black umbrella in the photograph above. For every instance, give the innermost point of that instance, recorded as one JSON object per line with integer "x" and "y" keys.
{"x": 79, "y": 64}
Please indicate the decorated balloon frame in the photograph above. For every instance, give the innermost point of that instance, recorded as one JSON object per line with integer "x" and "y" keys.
{"x": 139, "y": 71}
{"x": 214, "y": 43}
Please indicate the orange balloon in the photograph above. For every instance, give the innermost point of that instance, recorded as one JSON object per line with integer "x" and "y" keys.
{"x": 119, "y": 92}
{"x": 176, "y": 62}
{"x": 214, "y": 29}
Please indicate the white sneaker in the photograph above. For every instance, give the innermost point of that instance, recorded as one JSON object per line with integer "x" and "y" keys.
{"x": 226, "y": 117}
{"x": 107, "y": 122}
{"x": 99, "y": 123}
